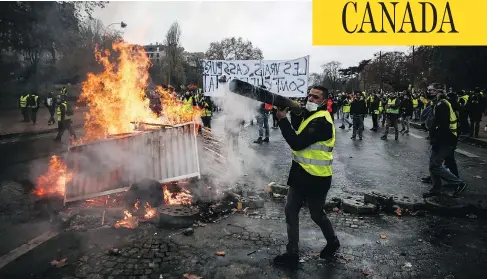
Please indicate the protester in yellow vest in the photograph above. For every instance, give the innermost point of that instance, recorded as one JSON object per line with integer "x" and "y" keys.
{"x": 311, "y": 138}
{"x": 189, "y": 102}
{"x": 392, "y": 111}
{"x": 375, "y": 110}
{"x": 415, "y": 107}
{"x": 63, "y": 119}
{"x": 24, "y": 109}
{"x": 33, "y": 104}
{"x": 207, "y": 111}
{"x": 443, "y": 140}
{"x": 346, "y": 112}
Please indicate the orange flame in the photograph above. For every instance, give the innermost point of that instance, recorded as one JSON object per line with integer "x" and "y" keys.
{"x": 182, "y": 197}
{"x": 149, "y": 211}
{"x": 54, "y": 181}
{"x": 117, "y": 96}
{"x": 128, "y": 221}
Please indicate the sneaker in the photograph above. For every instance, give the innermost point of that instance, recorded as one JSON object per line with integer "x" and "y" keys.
{"x": 342, "y": 127}
{"x": 383, "y": 138}
{"x": 266, "y": 139}
{"x": 360, "y": 138}
{"x": 330, "y": 249}
{"x": 259, "y": 140}
{"x": 460, "y": 188}
{"x": 353, "y": 138}
{"x": 287, "y": 260}
{"x": 350, "y": 126}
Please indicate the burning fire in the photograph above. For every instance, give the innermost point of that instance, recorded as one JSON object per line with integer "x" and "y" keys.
{"x": 128, "y": 221}
{"x": 149, "y": 211}
{"x": 117, "y": 96}
{"x": 54, "y": 181}
{"x": 182, "y": 197}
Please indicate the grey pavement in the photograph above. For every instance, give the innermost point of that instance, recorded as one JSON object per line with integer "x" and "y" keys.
{"x": 414, "y": 247}
{"x": 11, "y": 125}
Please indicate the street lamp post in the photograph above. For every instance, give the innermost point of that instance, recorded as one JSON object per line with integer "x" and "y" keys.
{"x": 122, "y": 25}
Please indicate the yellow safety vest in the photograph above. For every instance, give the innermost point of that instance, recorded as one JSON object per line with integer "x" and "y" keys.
{"x": 453, "y": 118}
{"x": 392, "y": 102}
{"x": 206, "y": 111}
{"x": 58, "y": 112}
{"x": 64, "y": 91}
{"x": 317, "y": 158}
{"x": 188, "y": 104}
{"x": 465, "y": 97}
{"x": 415, "y": 103}
{"x": 346, "y": 106}
{"x": 379, "y": 110}
{"x": 23, "y": 100}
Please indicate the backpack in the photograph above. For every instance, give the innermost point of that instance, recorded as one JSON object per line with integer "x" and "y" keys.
{"x": 69, "y": 109}
{"x": 31, "y": 101}
{"x": 428, "y": 116}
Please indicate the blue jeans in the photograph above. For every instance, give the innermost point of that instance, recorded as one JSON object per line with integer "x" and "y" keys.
{"x": 437, "y": 171}
{"x": 263, "y": 123}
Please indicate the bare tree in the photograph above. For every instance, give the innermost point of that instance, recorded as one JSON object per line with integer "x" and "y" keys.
{"x": 331, "y": 72}
{"x": 233, "y": 49}
{"x": 173, "y": 63}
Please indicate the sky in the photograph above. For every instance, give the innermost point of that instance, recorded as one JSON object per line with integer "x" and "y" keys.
{"x": 282, "y": 30}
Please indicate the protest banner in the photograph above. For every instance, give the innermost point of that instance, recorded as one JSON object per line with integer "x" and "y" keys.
{"x": 288, "y": 78}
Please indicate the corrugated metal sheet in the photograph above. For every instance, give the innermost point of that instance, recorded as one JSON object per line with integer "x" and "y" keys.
{"x": 112, "y": 165}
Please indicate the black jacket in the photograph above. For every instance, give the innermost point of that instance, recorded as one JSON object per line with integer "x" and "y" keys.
{"x": 407, "y": 107}
{"x": 441, "y": 134}
{"x": 358, "y": 107}
{"x": 317, "y": 130}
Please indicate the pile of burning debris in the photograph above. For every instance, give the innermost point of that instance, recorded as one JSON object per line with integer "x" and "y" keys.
{"x": 175, "y": 205}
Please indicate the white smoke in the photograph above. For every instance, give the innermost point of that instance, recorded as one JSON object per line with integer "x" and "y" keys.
{"x": 244, "y": 163}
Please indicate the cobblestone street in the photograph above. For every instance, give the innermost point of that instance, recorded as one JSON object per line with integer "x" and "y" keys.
{"x": 372, "y": 246}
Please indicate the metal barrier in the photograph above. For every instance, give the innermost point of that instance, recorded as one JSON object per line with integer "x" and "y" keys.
{"x": 110, "y": 166}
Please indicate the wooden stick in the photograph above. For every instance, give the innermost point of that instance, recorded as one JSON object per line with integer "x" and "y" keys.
{"x": 103, "y": 218}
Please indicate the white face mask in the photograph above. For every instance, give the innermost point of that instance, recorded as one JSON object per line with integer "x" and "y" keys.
{"x": 310, "y": 106}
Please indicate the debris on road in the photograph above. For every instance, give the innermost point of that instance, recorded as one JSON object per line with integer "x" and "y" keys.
{"x": 383, "y": 236}
{"x": 477, "y": 176}
{"x": 367, "y": 271}
{"x": 472, "y": 216}
{"x": 191, "y": 276}
{"x": 220, "y": 253}
{"x": 188, "y": 232}
{"x": 60, "y": 263}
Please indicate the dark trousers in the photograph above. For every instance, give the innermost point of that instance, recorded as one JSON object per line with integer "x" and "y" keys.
{"x": 275, "y": 122}
{"x": 25, "y": 114}
{"x": 65, "y": 125}
{"x": 358, "y": 125}
{"x": 316, "y": 200}
{"x": 51, "y": 118}
{"x": 391, "y": 121}
{"x": 464, "y": 126}
{"x": 206, "y": 121}
{"x": 375, "y": 122}
{"x": 474, "y": 127}
{"x": 33, "y": 116}
{"x": 384, "y": 117}
{"x": 438, "y": 155}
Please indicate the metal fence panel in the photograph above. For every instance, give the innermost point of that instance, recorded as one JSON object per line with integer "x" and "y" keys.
{"x": 110, "y": 166}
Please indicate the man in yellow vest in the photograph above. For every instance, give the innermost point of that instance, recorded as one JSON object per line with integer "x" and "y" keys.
{"x": 415, "y": 101}
{"x": 207, "y": 111}
{"x": 346, "y": 112}
{"x": 374, "y": 110}
{"x": 392, "y": 111}
{"x": 24, "y": 109}
{"x": 443, "y": 139}
{"x": 311, "y": 137}
{"x": 33, "y": 104}
{"x": 63, "y": 119}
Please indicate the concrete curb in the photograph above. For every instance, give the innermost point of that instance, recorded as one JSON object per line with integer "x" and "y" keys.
{"x": 475, "y": 141}
{"x": 33, "y": 133}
